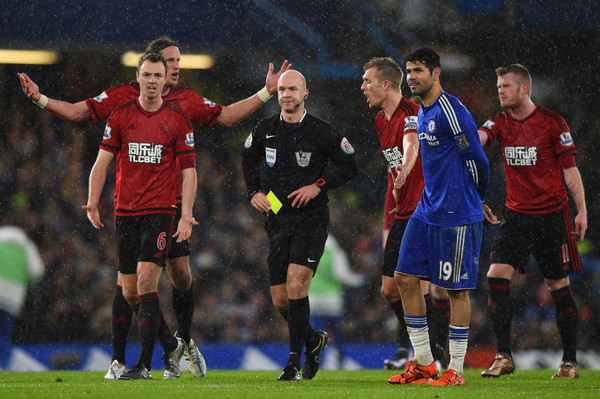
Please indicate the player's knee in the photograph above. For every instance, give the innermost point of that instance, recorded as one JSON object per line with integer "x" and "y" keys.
{"x": 438, "y": 292}
{"x": 500, "y": 270}
{"x": 180, "y": 274}
{"x": 556, "y": 284}
{"x": 401, "y": 279}
{"x": 281, "y": 305}
{"x": 130, "y": 296}
{"x": 182, "y": 282}
{"x": 390, "y": 295}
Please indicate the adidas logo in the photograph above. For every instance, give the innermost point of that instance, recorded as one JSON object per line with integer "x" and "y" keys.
{"x": 131, "y": 127}
{"x": 464, "y": 277}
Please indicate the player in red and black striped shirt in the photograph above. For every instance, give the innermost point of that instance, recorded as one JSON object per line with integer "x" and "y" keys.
{"x": 148, "y": 136}
{"x": 201, "y": 111}
{"x": 537, "y": 146}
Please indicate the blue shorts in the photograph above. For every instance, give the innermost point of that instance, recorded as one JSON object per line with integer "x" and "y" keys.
{"x": 449, "y": 256}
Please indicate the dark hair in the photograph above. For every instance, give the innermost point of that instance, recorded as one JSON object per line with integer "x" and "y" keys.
{"x": 154, "y": 58}
{"x": 518, "y": 70}
{"x": 157, "y": 45}
{"x": 387, "y": 69}
{"x": 425, "y": 55}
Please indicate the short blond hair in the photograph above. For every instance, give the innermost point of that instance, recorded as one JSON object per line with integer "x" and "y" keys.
{"x": 518, "y": 70}
{"x": 387, "y": 69}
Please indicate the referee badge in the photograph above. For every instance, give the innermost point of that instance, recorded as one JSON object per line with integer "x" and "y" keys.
{"x": 271, "y": 156}
{"x": 303, "y": 158}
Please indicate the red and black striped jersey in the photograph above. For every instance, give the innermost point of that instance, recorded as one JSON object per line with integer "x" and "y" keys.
{"x": 147, "y": 145}
{"x": 391, "y": 134}
{"x": 200, "y": 110}
{"x": 534, "y": 150}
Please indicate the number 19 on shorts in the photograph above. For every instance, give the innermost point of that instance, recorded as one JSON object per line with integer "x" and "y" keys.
{"x": 446, "y": 271}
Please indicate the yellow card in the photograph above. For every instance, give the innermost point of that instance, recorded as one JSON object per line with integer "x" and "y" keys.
{"x": 275, "y": 203}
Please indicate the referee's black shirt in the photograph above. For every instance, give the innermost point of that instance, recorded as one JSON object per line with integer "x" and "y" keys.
{"x": 282, "y": 157}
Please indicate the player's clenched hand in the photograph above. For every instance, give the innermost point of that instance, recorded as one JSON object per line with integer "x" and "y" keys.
{"x": 31, "y": 90}
{"x": 272, "y": 79}
{"x": 489, "y": 219}
{"x": 303, "y": 195}
{"x": 184, "y": 228}
{"x": 260, "y": 202}
{"x": 93, "y": 215}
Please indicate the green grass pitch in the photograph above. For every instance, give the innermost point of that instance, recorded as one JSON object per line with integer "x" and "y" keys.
{"x": 237, "y": 384}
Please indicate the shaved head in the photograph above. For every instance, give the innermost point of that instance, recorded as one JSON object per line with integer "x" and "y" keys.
{"x": 291, "y": 93}
{"x": 292, "y": 77}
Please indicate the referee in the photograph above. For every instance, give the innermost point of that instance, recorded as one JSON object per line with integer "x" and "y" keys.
{"x": 285, "y": 163}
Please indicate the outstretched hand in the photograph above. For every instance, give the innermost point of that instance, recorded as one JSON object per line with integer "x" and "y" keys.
{"x": 184, "y": 228}
{"x": 31, "y": 90}
{"x": 272, "y": 79}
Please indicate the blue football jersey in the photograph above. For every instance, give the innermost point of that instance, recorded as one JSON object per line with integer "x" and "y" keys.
{"x": 455, "y": 168}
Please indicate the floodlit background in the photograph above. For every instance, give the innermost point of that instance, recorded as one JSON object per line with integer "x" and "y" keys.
{"x": 45, "y": 162}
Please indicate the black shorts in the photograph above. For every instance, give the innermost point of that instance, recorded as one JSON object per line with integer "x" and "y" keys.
{"x": 143, "y": 238}
{"x": 392, "y": 247}
{"x": 178, "y": 249}
{"x": 296, "y": 238}
{"x": 545, "y": 236}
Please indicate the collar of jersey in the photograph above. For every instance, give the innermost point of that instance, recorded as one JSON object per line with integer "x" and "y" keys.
{"x": 300, "y": 121}
{"x": 434, "y": 101}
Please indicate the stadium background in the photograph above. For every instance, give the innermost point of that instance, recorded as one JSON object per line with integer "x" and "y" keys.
{"x": 45, "y": 163}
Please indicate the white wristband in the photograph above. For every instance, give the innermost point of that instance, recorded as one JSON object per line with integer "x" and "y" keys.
{"x": 42, "y": 102}
{"x": 264, "y": 95}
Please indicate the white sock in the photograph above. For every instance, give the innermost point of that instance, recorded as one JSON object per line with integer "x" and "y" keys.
{"x": 419, "y": 337}
{"x": 458, "y": 341}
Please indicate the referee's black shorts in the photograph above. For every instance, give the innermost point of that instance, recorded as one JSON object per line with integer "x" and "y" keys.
{"x": 545, "y": 236}
{"x": 295, "y": 238}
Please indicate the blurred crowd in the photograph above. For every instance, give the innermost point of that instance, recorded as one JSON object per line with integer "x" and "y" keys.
{"x": 45, "y": 165}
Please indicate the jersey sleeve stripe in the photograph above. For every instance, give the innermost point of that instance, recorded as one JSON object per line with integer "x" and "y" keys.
{"x": 110, "y": 148}
{"x": 450, "y": 114}
{"x": 92, "y": 108}
{"x": 474, "y": 172}
{"x": 181, "y": 153}
{"x": 215, "y": 116}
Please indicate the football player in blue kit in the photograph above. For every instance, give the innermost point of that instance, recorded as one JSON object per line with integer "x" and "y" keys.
{"x": 443, "y": 237}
